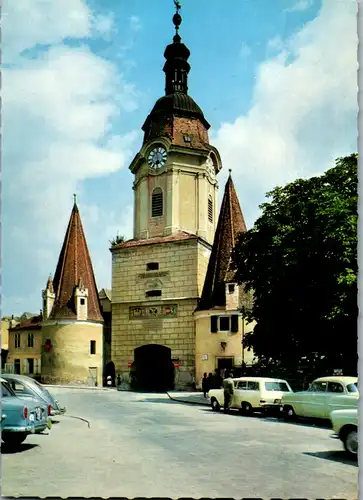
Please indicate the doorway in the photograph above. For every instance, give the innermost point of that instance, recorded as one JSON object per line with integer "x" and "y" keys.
{"x": 92, "y": 376}
{"x": 225, "y": 363}
{"x": 153, "y": 369}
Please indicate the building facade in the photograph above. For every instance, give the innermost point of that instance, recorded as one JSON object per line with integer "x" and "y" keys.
{"x": 72, "y": 327}
{"x": 24, "y": 347}
{"x": 159, "y": 275}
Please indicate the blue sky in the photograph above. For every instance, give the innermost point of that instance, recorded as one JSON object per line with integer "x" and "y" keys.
{"x": 276, "y": 80}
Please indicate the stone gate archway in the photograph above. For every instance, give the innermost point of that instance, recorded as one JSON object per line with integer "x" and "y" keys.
{"x": 153, "y": 369}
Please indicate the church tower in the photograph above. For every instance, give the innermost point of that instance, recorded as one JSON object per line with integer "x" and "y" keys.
{"x": 72, "y": 327}
{"x": 158, "y": 276}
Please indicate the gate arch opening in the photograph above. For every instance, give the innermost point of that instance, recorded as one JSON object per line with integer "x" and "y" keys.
{"x": 153, "y": 369}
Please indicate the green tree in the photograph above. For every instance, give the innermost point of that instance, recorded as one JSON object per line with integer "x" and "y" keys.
{"x": 117, "y": 240}
{"x": 300, "y": 262}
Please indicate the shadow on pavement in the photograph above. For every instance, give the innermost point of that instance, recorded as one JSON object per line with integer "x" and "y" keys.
{"x": 334, "y": 456}
{"x": 319, "y": 424}
{"x": 159, "y": 400}
{"x": 7, "y": 449}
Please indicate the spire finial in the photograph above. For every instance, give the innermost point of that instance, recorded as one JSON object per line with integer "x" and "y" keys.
{"x": 75, "y": 198}
{"x": 230, "y": 171}
{"x": 177, "y": 17}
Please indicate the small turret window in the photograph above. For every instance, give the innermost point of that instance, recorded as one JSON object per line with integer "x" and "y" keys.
{"x": 210, "y": 209}
{"x": 157, "y": 203}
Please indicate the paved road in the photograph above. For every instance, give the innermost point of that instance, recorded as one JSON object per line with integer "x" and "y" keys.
{"x": 147, "y": 445}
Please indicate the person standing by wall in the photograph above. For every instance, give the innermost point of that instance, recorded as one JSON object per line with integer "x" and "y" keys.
{"x": 205, "y": 384}
{"x": 228, "y": 389}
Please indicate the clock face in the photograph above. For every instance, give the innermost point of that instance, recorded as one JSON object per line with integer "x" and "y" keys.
{"x": 210, "y": 166}
{"x": 157, "y": 157}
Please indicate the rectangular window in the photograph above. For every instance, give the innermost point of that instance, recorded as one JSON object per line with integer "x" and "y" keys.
{"x": 17, "y": 340}
{"x": 231, "y": 288}
{"x": 30, "y": 339}
{"x": 214, "y": 324}
{"x": 92, "y": 348}
{"x": 153, "y": 293}
{"x": 152, "y": 266}
{"x": 224, "y": 324}
{"x": 82, "y": 302}
{"x": 252, "y": 385}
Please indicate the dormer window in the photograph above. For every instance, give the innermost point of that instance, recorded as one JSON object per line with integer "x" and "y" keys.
{"x": 231, "y": 288}
{"x": 187, "y": 138}
{"x": 157, "y": 203}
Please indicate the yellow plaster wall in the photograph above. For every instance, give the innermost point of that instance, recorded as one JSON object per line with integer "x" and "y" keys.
{"x": 209, "y": 344}
{"x": 5, "y": 324}
{"x": 24, "y": 352}
{"x": 188, "y": 202}
{"x": 69, "y": 360}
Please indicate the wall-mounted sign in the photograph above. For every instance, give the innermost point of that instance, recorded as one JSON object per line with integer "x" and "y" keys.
{"x": 204, "y": 357}
{"x": 159, "y": 311}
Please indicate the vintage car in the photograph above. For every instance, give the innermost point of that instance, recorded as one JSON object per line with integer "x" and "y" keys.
{"x": 251, "y": 394}
{"x": 20, "y": 417}
{"x": 345, "y": 427}
{"x": 28, "y": 387}
{"x": 324, "y": 395}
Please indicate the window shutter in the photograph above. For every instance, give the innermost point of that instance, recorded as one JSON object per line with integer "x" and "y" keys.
{"x": 214, "y": 324}
{"x": 234, "y": 323}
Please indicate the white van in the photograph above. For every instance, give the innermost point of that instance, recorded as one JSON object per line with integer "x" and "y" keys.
{"x": 252, "y": 393}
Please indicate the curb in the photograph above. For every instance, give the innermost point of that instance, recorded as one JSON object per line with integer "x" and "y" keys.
{"x": 86, "y": 387}
{"x": 186, "y": 402}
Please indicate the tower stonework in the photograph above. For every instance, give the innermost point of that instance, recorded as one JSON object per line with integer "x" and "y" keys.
{"x": 72, "y": 328}
{"x": 158, "y": 276}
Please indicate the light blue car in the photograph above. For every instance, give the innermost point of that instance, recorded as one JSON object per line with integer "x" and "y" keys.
{"x": 21, "y": 417}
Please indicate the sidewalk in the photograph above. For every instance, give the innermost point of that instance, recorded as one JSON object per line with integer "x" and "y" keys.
{"x": 194, "y": 398}
{"x": 89, "y": 387}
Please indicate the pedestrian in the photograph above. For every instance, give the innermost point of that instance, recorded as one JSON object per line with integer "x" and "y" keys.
{"x": 210, "y": 381}
{"x": 228, "y": 390}
{"x": 109, "y": 380}
{"x": 205, "y": 387}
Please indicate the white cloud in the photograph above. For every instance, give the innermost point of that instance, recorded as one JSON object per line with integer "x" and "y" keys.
{"x": 304, "y": 109}
{"x": 135, "y": 23}
{"x": 59, "y": 109}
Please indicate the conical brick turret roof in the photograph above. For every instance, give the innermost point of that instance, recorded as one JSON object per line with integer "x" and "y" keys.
{"x": 230, "y": 223}
{"x": 74, "y": 264}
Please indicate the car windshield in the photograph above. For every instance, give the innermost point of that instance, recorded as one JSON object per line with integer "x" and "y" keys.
{"x": 6, "y": 390}
{"x": 277, "y": 386}
{"x": 352, "y": 388}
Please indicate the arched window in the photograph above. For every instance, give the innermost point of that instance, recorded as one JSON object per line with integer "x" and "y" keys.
{"x": 157, "y": 203}
{"x": 210, "y": 209}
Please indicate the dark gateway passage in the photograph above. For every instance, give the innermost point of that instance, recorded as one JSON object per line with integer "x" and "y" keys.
{"x": 153, "y": 369}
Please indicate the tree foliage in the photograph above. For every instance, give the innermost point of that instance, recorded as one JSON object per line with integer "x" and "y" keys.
{"x": 300, "y": 262}
{"x": 117, "y": 240}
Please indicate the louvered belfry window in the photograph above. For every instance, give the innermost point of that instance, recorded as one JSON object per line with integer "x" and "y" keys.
{"x": 157, "y": 203}
{"x": 210, "y": 210}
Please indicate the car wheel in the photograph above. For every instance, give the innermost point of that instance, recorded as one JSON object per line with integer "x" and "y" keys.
{"x": 246, "y": 408}
{"x": 215, "y": 405}
{"x": 13, "y": 438}
{"x": 289, "y": 413}
{"x": 351, "y": 442}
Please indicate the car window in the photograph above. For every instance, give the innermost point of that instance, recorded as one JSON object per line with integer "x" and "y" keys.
{"x": 252, "y": 385}
{"x": 242, "y": 385}
{"x": 17, "y": 386}
{"x": 277, "y": 386}
{"x": 352, "y": 388}
{"x": 318, "y": 387}
{"x": 335, "y": 387}
{"x": 6, "y": 390}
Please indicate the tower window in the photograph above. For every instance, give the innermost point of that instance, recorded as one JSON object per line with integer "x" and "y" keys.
{"x": 153, "y": 293}
{"x": 157, "y": 203}
{"x": 92, "y": 347}
{"x": 82, "y": 302}
{"x": 152, "y": 266}
{"x": 210, "y": 210}
{"x": 231, "y": 288}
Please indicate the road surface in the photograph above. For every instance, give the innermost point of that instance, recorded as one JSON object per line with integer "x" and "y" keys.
{"x": 147, "y": 445}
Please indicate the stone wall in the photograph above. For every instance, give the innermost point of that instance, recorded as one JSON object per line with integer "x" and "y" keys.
{"x": 69, "y": 360}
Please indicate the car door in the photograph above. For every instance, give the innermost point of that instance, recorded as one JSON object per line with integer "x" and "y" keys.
{"x": 239, "y": 393}
{"x": 253, "y": 393}
{"x": 335, "y": 398}
{"x": 315, "y": 402}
